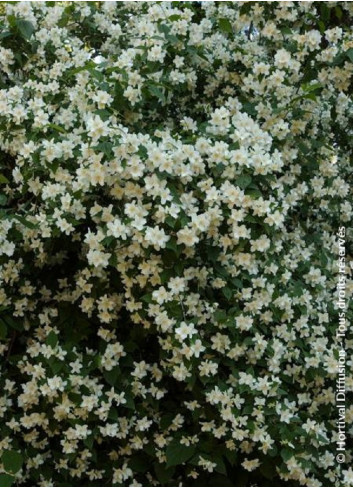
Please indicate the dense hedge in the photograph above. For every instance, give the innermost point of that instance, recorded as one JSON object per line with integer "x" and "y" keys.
{"x": 173, "y": 177}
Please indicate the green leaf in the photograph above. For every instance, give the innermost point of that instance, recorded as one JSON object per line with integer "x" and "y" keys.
{"x": 349, "y": 53}
{"x": 25, "y": 222}
{"x": 220, "y": 467}
{"x": 237, "y": 282}
{"x": 298, "y": 288}
{"x": 3, "y": 331}
{"x": 163, "y": 473}
{"x": 170, "y": 221}
{"x": 243, "y": 181}
{"x": 103, "y": 114}
{"x": 111, "y": 376}
{"x": 227, "y": 292}
{"x": 178, "y": 454}
{"x": 96, "y": 74}
{"x": 88, "y": 442}
{"x": 105, "y": 147}
{"x": 130, "y": 403}
{"x": 268, "y": 469}
{"x": 52, "y": 339}
{"x": 306, "y": 464}
{"x": 231, "y": 456}
{"x": 86, "y": 66}
{"x": 56, "y": 128}
{"x": 338, "y": 12}
{"x": 303, "y": 148}
{"x": 11, "y": 19}
{"x": 225, "y": 25}
{"x": 245, "y": 9}
{"x": 174, "y": 17}
{"x": 213, "y": 253}
{"x": 172, "y": 245}
{"x": 165, "y": 29}
{"x": 25, "y": 28}
{"x": 220, "y": 316}
{"x": 146, "y": 298}
{"x": 16, "y": 324}
{"x": 56, "y": 366}
{"x": 248, "y": 341}
{"x": 166, "y": 421}
{"x": 165, "y": 276}
{"x": 113, "y": 414}
{"x": 157, "y": 92}
{"x": 3, "y": 199}
{"x": 325, "y": 12}
{"x": 286, "y": 454}
{"x": 3, "y": 35}
{"x": 12, "y": 461}
{"x": 249, "y": 108}
{"x": 3, "y": 179}
{"x": 108, "y": 240}
{"x": 6, "y": 480}
{"x": 310, "y": 87}
{"x": 286, "y": 31}
{"x": 322, "y": 27}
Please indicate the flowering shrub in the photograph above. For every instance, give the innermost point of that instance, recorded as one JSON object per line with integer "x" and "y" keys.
{"x": 173, "y": 176}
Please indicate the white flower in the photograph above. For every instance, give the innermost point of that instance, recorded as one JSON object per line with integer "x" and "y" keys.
{"x": 185, "y": 330}
{"x": 56, "y": 383}
{"x": 187, "y": 237}
{"x": 156, "y": 237}
{"x": 251, "y": 465}
{"x": 244, "y": 323}
{"x": 96, "y": 127}
{"x": 282, "y": 58}
{"x": 348, "y": 477}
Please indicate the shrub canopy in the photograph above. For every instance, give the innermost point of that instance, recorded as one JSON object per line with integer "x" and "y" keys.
{"x": 173, "y": 177}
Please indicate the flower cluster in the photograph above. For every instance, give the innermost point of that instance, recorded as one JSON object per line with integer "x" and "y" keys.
{"x": 173, "y": 175}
